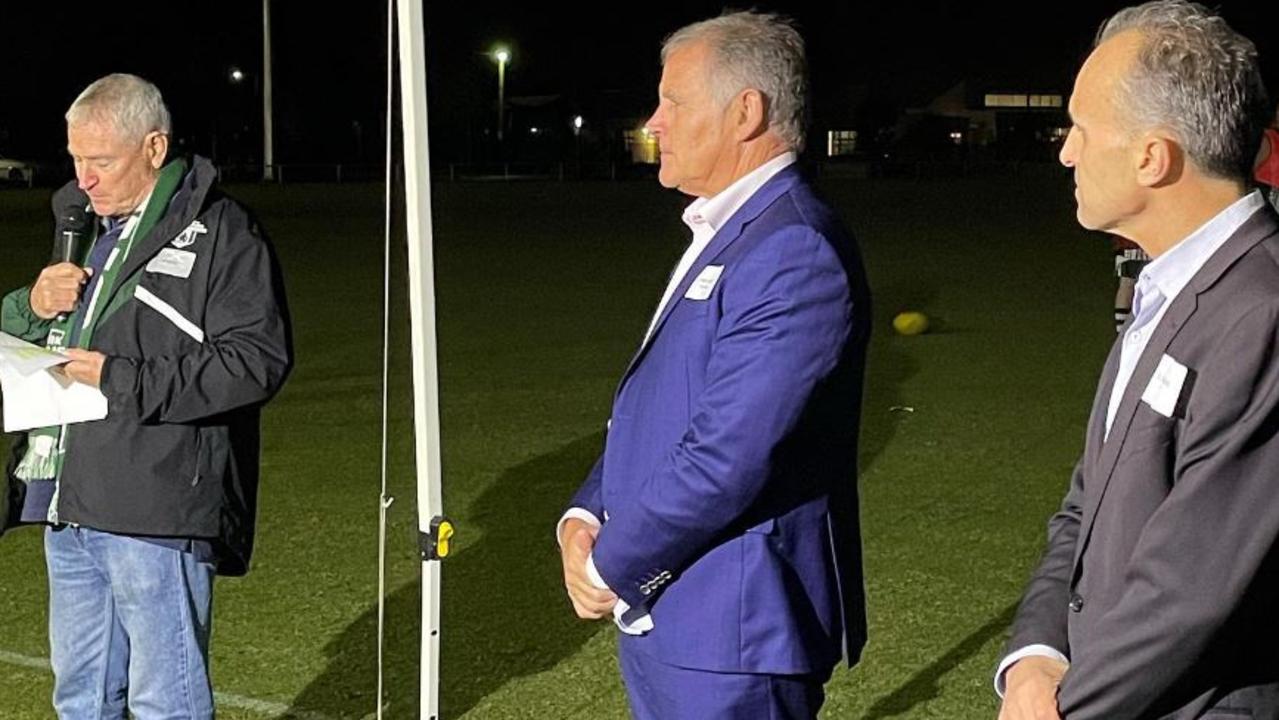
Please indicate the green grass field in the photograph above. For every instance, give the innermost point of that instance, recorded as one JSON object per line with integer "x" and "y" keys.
{"x": 543, "y": 292}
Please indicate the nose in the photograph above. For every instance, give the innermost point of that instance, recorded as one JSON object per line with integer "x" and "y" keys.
{"x": 655, "y": 123}
{"x": 85, "y": 178}
{"x": 1068, "y": 150}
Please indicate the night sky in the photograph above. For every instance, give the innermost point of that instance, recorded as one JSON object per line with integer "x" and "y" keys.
{"x": 330, "y": 65}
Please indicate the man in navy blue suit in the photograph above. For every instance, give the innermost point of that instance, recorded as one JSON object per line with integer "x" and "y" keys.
{"x": 719, "y": 528}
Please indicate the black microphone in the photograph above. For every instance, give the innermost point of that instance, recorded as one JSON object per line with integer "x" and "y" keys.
{"x": 73, "y": 224}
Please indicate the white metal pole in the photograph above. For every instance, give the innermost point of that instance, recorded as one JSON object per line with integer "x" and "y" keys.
{"x": 426, "y": 414}
{"x": 268, "y": 148}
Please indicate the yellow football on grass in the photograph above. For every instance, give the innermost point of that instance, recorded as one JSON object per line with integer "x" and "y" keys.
{"x": 910, "y": 323}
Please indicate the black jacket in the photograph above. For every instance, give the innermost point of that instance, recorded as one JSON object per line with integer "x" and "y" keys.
{"x": 191, "y": 361}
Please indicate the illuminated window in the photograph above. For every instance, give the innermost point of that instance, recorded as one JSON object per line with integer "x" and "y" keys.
{"x": 642, "y": 146}
{"x": 1045, "y": 101}
{"x": 1016, "y": 101}
{"x": 841, "y": 142}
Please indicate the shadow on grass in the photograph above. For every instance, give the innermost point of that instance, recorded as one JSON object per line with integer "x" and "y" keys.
{"x": 923, "y": 686}
{"x": 504, "y": 614}
{"x": 888, "y": 367}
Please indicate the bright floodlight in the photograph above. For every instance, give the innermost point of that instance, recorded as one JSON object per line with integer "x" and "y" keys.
{"x": 577, "y": 122}
{"x": 237, "y": 75}
{"x": 503, "y": 55}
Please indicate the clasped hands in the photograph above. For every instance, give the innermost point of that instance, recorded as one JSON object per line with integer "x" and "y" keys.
{"x": 577, "y": 539}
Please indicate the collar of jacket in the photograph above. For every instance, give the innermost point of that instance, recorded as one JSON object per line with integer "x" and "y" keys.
{"x": 185, "y": 206}
{"x": 776, "y": 186}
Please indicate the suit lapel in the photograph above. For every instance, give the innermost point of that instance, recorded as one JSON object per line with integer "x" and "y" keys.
{"x": 777, "y": 185}
{"x": 1100, "y": 467}
{"x": 1096, "y": 436}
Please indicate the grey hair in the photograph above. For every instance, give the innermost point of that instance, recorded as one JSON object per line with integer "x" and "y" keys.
{"x": 759, "y": 51}
{"x": 128, "y": 103}
{"x": 1198, "y": 77}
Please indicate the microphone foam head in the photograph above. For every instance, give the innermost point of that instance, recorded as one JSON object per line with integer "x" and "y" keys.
{"x": 73, "y": 218}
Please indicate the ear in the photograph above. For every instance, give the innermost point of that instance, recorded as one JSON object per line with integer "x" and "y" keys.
{"x": 156, "y": 147}
{"x": 1159, "y": 160}
{"x": 749, "y": 115}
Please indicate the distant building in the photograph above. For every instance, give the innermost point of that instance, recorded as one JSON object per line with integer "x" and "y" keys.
{"x": 841, "y": 143}
{"x": 641, "y": 145}
{"x": 1000, "y": 118}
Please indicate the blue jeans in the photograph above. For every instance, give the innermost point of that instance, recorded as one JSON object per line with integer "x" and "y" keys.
{"x": 129, "y": 628}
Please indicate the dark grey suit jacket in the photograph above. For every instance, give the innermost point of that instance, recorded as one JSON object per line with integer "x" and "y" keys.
{"x": 1160, "y": 580}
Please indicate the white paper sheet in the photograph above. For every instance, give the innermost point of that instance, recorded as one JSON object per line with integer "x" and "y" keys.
{"x": 35, "y": 395}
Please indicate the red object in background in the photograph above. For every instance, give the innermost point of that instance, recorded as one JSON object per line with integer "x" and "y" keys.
{"x": 1268, "y": 171}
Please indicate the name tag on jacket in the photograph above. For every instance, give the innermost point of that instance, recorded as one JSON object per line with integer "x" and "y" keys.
{"x": 169, "y": 261}
{"x": 705, "y": 283}
{"x": 1164, "y": 390}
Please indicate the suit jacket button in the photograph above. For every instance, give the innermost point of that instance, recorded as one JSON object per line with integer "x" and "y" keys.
{"x": 1076, "y": 603}
{"x": 646, "y": 590}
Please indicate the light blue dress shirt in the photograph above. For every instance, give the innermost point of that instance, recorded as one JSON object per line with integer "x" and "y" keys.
{"x": 1164, "y": 278}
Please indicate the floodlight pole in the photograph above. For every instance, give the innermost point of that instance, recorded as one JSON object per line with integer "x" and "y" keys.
{"x": 268, "y": 147}
{"x": 501, "y": 96}
{"x": 434, "y": 530}
{"x": 503, "y": 56}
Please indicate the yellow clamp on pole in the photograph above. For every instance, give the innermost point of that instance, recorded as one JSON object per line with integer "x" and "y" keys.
{"x": 438, "y": 543}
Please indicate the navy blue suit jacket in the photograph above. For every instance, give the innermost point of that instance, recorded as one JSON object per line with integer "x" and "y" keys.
{"x": 728, "y": 479}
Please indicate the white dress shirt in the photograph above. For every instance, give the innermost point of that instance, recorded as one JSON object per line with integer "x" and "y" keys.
{"x": 705, "y": 217}
{"x": 1158, "y": 285}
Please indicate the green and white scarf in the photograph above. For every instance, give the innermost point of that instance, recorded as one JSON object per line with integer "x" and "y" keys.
{"x": 46, "y": 447}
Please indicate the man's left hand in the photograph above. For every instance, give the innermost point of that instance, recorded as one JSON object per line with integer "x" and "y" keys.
{"x": 85, "y": 366}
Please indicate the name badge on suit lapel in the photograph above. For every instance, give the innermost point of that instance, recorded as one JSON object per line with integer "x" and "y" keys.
{"x": 705, "y": 283}
{"x": 1168, "y": 387}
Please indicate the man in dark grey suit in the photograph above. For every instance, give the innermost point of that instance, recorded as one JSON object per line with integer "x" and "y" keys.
{"x": 1157, "y": 593}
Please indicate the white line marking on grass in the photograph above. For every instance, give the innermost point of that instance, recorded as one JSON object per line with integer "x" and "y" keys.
{"x": 261, "y": 707}
{"x": 23, "y": 661}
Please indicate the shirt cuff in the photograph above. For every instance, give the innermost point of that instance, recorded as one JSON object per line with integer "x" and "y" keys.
{"x": 582, "y": 514}
{"x": 639, "y": 625}
{"x": 1028, "y": 651}
{"x": 594, "y": 574}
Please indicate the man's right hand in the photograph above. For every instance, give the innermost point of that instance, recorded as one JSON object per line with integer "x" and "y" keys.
{"x": 57, "y": 290}
{"x": 577, "y": 539}
{"x": 1032, "y": 689}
